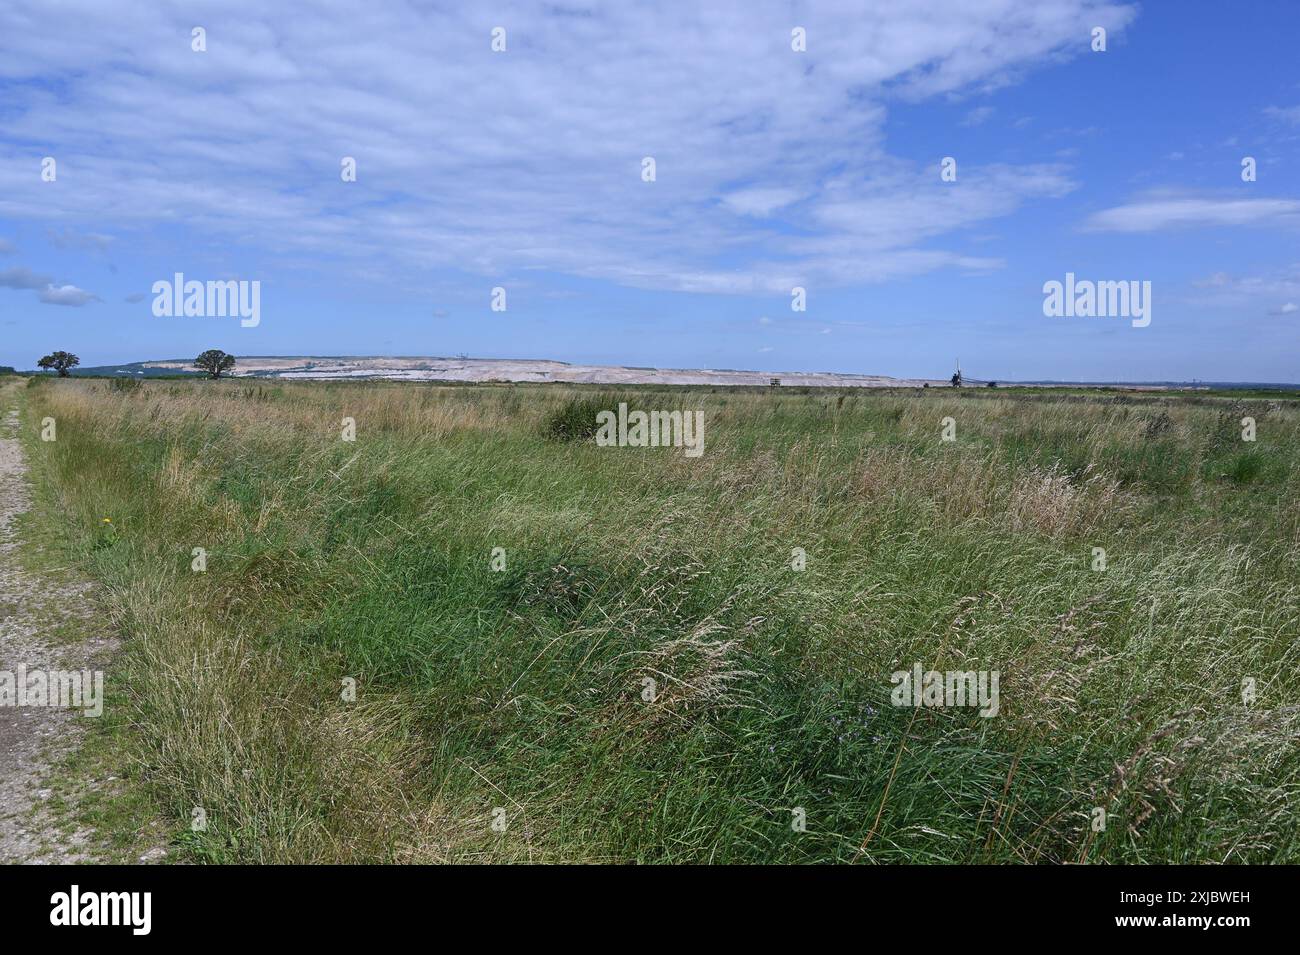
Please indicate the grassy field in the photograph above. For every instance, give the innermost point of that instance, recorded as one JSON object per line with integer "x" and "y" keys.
{"x": 518, "y": 696}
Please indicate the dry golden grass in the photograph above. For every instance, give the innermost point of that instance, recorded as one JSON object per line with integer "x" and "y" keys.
{"x": 522, "y": 690}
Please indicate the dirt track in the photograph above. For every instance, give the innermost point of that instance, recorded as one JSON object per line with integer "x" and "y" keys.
{"x": 34, "y": 739}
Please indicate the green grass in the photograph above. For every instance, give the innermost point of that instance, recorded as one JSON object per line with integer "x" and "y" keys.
{"x": 92, "y": 795}
{"x": 521, "y": 689}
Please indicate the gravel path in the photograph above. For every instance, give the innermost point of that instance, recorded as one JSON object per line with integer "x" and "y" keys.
{"x": 34, "y": 739}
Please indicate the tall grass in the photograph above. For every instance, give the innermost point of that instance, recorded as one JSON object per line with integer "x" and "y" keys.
{"x": 518, "y": 694}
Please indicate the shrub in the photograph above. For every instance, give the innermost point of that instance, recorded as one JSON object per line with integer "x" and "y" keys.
{"x": 1245, "y": 467}
{"x": 575, "y": 420}
{"x": 1158, "y": 425}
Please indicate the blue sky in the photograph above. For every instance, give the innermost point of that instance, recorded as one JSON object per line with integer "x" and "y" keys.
{"x": 774, "y": 168}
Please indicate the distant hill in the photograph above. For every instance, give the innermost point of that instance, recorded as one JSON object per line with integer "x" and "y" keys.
{"x": 460, "y": 369}
{"x": 415, "y": 368}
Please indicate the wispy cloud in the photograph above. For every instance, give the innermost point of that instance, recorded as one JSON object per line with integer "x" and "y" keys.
{"x": 760, "y": 202}
{"x": 80, "y": 241}
{"x": 529, "y": 159}
{"x": 23, "y": 278}
{"x": 1275, "y": 292}
{"x": 1168, "y": 213}
{"x": 1287, "y": 114}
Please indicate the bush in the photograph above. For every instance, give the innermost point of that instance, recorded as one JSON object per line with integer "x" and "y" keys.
{"x": 1158, "y": 425}
{"x": 575, "y": 420}
{"x": 1245, "y": 467}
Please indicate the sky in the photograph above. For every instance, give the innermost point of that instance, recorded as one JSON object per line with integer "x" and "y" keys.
{"x": 773, "y": 168}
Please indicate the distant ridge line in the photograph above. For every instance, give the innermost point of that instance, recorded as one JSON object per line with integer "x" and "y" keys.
{"x": 467, "y": 369}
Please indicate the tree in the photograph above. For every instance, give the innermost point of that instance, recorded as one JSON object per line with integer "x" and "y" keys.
{"x": 214, "y": 361}
{"x": 59, "y": 361}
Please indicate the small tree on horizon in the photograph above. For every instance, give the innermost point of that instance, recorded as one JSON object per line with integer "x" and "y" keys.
{"x": 59, "y": 361}
{"x": 214, "y": 361}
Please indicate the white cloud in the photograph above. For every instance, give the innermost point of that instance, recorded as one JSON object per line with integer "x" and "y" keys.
{"x": 760, "y": 202}
{"x": 24, "y": 279}
{"x": 1167, "y": 213}
{"x": 1217, "y": 280}
{"x": 490, "y": 164}
{"x": 67, "y": 295}
{"x": 80, "y": 241}
{"x": 1288, "y": 114}
{"x": 1258, "y": 293}
{"x": 978, "y": 116}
